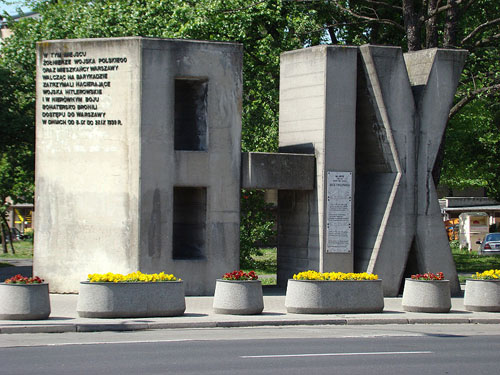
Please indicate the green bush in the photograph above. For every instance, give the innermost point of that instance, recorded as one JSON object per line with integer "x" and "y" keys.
{"x": 256, "y": 226}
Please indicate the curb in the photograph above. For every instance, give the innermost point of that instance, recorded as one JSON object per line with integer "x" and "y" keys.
{"x": 132, "y": 326}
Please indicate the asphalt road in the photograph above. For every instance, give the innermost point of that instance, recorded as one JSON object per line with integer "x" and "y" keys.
{"x": 387, "y": 350}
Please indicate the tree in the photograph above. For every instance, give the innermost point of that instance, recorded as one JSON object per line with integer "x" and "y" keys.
{"x": 16, "y": 149}
{"x": 268, "y": 27}
{"x": 415, "y": 24}
{"x": 264, "y": 27}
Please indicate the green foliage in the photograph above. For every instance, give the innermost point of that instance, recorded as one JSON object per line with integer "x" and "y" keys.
{"x": 265, "y": 261}
{"x": 471, "y": 262}
{"x": 24, "y": 249}
{"x": 473, "y": 149}
{"x": 266, "y": 29}
{"x": 256, "y": 226}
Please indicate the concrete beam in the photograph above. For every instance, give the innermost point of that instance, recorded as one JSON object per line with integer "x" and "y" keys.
{"x": 260, "y": 170}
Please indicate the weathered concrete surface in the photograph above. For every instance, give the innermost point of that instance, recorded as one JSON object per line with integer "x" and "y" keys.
{"x": 105, "y": 194}
{"x": 87, "y": 176}
{"x": 260, "y": 170}
{"x": 131, "y": 300}
{"x": 434, "y": 75}
{"x": 400, "y": 112}
{"x": 432, "y": 296}
{"x": 385, "y": 166}
{"x": 482, "y": 295}
{"x": 316, "y": 117}
{"x": 334, "y": 297}
{"x": 24, "y": 301}
{"x": 239, "y": 297}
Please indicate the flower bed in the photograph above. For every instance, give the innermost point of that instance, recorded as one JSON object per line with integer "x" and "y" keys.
{"x": 238, "y": 293}
{"x": 24, "y": 298}
{"x": 312, "y": 292}
{"x": 482, "y": 292}
{"x": 129, "y": 296}
{"x": 240, "y": 275}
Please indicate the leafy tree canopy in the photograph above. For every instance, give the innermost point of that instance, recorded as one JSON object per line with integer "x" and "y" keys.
{"x": 268, "y": 27}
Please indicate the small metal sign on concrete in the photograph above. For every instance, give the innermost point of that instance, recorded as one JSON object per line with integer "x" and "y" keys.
{"x": 339, "y": 212}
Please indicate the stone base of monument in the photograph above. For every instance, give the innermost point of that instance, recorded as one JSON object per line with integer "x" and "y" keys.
{"x": 432, "y": 296}
{"x": 131, "y": 300}
{"x": 238, "y": 297}
{"x": 482, "y": 295}
{"x": 24, "y": 301}
{"x": 334, "y": 297}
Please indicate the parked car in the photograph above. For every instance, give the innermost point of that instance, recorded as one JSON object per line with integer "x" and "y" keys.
{"x": 490, "y": 244}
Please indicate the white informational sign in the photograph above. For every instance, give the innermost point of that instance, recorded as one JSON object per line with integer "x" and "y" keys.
{"x": 339, "y": 212}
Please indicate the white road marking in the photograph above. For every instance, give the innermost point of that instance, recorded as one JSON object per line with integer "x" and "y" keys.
{"x": 331, "y": 354}
{"x": 100, "y": 343}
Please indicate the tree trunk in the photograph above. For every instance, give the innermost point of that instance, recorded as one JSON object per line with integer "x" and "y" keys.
{"x": 6, "y": 228}
{"x": 4, "y": 236}
{"x": 333, "y": 37}
{"x": 431, "y": 35}
{"x": 449, "y": 41}
{"x": 412, "y": 26}
{"x": 451, "y": 26}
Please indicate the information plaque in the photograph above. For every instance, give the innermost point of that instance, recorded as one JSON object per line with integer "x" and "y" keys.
{"x": 339, "y": 212}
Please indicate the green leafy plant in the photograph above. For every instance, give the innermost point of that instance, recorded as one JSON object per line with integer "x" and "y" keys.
{"x": 256, "y": 226}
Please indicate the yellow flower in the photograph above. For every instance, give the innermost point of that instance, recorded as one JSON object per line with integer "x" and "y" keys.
{"x": 334, "y": 276}
{"x": 487, "y": 275}
{"x": 131, "y": 277}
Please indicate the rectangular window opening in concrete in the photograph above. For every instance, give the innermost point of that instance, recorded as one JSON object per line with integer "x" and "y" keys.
{"x": 189, "y": 228}
{"x": 190, "y": 132}
{"x": 259, "y": 213}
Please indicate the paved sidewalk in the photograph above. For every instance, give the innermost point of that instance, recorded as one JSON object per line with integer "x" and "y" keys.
{"x": 199, "y": 314}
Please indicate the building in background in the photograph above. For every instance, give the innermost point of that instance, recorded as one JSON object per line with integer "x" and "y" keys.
{"x": 5, "y": 32}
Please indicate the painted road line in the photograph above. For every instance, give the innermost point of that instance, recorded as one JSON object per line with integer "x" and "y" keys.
{"x": 332, "y": 354}
{"x": 99, "y": 343}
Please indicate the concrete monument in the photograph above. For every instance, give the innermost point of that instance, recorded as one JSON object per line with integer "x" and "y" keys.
{"x": 374, "y": 118}
{"x": 139, "y": 164}
{"x": 138, "y": 159}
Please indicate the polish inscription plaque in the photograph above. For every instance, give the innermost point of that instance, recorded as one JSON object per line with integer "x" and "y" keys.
{"x": 339, "y": 212}
{"x": 77, "y": 88}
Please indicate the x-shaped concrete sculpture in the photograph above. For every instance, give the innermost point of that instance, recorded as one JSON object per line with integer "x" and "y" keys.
{"x": 410, "y": 98}
{"x": 398, "y": 105}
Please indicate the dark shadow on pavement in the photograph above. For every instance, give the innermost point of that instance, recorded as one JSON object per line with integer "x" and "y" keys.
{"x": 7, "y": 272}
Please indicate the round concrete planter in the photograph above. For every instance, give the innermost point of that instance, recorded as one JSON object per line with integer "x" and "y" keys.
{"x": 334, "y": 297}
{"x": 238, "y": 297}
{"x": 431, "y": 296}
{"x": 131, "y": 300}
{"x": 24, "y": 301}
{"x": 482, "y": 295}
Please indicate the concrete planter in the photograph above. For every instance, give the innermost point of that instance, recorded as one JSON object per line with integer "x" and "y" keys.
{"x": 131, "y": 300}
{"x": 334, "y": 297}
{"x": 24, "y": 301}
{"x": 482, "y": 295}
{"x": 238, "y": 297}
{"x": 431, "y": 296}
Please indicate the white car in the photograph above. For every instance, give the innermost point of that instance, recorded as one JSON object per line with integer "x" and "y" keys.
{"x": 490, "y": 244}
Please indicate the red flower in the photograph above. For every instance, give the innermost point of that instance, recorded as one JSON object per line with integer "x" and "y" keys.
{"x": 428, "y": 276}
{"x": 240, "y": 275}
{"x": 19, "y": 279}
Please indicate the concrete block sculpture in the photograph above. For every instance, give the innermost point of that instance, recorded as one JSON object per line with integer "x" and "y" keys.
{"x": 398, "y": 106}
{"x": 139, "y": 164}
